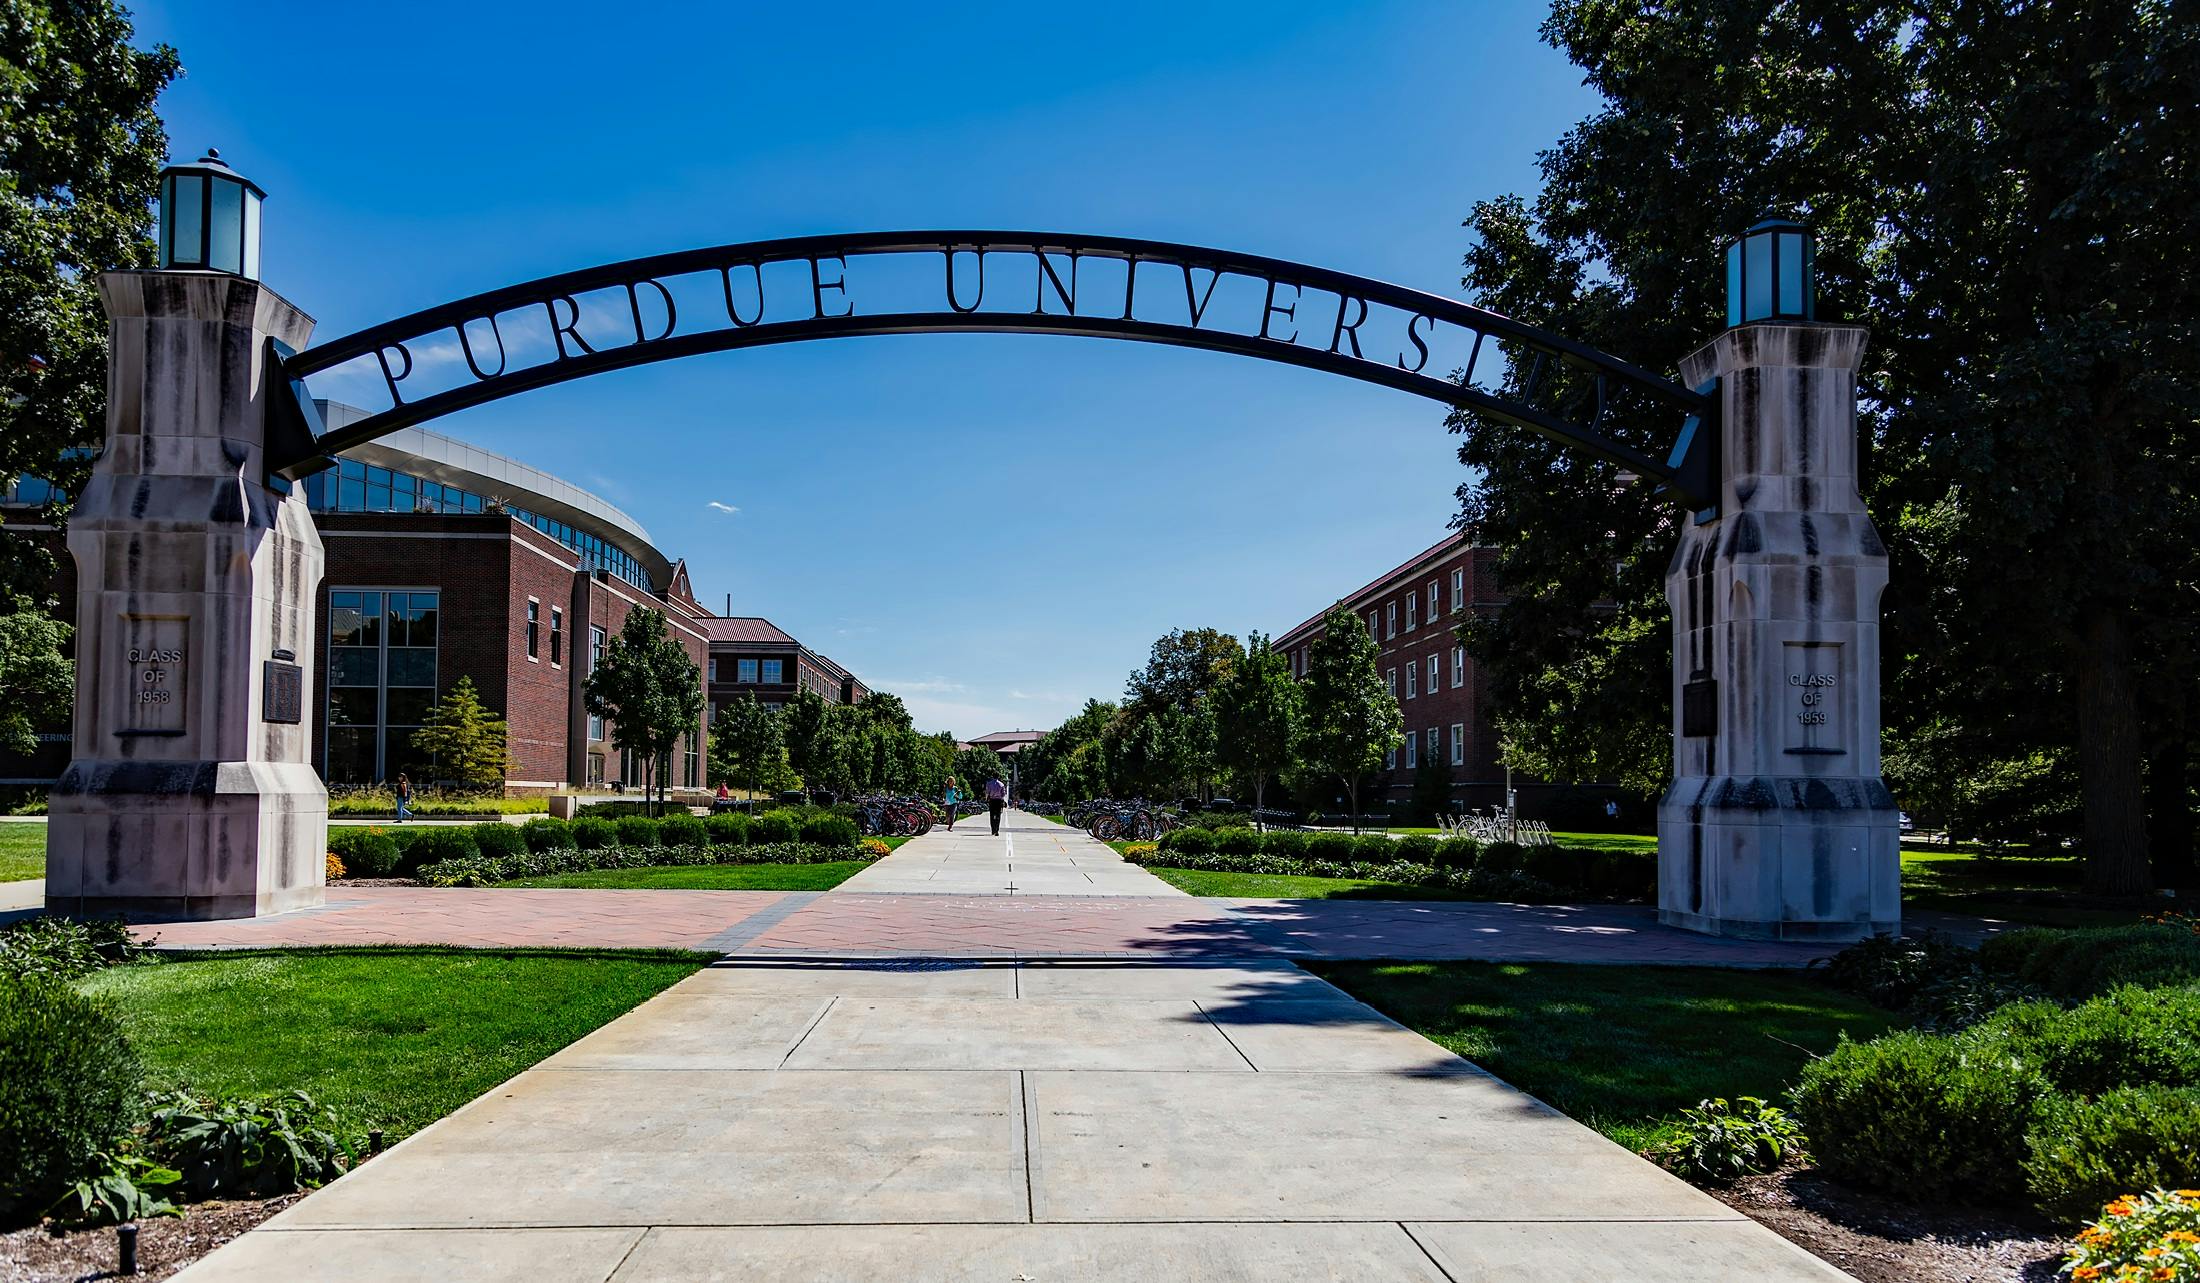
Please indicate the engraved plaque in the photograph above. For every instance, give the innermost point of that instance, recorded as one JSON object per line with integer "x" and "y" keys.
{"x": 155, "y": 655}
{"x": 282, "y": 692}
{"x": 1700, "y": 707}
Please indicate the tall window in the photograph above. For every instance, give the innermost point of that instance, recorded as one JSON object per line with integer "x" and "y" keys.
{"x": 772, "y": 672}
{"x": 1390, "y": 681}
{"x": 596, "y": 640}
{"x": 1371, "y": 631}
{"x": 1432, "y": 674}
{"x": 534, "y": 627}
{"x": 1413, "y": 611}
{"x": 1458, "y": 743}
{"x": 557, "y": 635}
{"x": 1390, "y": 620}
{"x": 1458, "y": 667}
{"x": 1413, "y": 755}
{"x": 1459, "y": 589}
{"x": 1390, "y": 759}
{"x": 1435, "y": 743}
{"x": 381, "y": 680}
{"x": 689, "y": 761}
{"x": 1432, "y": 600}
{"x": 744, "y": 670}
{"x": 714, "y": 669}
{"x": 1413, "y": 679}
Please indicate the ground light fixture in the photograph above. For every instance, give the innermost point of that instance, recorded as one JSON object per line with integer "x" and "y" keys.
{"x": 1771, "y": 274}
{"x": 210, "y": 218}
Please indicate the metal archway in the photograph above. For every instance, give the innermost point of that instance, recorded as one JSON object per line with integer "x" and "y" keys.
{"x": 630, "y": 313}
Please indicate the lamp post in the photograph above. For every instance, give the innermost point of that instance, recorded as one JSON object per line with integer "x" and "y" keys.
{"x": 1771, "y": 274}
{"x": 210, "y": 218}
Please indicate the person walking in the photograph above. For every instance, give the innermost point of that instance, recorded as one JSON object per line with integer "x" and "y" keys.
{"x": 950, "y": 797}
{"x": 996, "y": 798}
{"x": 404, "y": 797}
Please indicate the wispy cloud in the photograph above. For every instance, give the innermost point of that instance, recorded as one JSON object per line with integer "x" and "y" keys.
{"x": 722, "y": 507}
{"x": 921, "y": 686}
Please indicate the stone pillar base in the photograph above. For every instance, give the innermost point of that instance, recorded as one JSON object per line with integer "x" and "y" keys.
{"x": 1780, "y": 858}
{"x": 165, "y": 840}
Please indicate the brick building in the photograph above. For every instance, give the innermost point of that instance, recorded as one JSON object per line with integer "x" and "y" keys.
{"x": 749, "y": 655}
{"x": 1411, "y": 612}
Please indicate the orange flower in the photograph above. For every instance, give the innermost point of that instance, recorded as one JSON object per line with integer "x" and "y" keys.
{"x": 2085, "y": 1272}
{"x": 2121, "y": 1207}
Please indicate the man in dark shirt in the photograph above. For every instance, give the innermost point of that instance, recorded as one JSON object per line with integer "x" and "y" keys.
{"x": 996, "y": 797}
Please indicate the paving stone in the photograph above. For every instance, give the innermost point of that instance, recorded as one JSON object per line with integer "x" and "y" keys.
{"x": 1337, "y": 1035}
{"x": 377, "y": 1256}
{"x": 693, "y": 1029}
{"x": 1034, "y": 1033}
{"x": 1620, "y": 1252}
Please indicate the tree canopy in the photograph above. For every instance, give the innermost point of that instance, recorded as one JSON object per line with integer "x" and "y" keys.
{"x": 648, "y": 687}
{"x": 1258, "y": 710}
{"x": 465, "y": 739}
{"x": 1351, "y": 717}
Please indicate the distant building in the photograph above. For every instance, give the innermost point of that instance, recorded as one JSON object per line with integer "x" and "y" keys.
{"x": 1007, "y": 743}
{"x": 750, "y": 655}
{"x": 1411, "y": 611}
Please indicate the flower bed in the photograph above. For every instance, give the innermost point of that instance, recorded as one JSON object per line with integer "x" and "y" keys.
{"x": 488, "y": 870}
{"x": 1493, "y": 870}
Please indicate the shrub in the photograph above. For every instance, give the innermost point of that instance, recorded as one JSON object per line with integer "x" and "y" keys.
{"x": 1216, "y": 821}
{"x": 332, "y": 868}
{"x": 1237, "y": 840}
{"x": 2155, "y": 1235}
{"x": 366, "y": 853}
{"x": 639, "y": 830}
{"x": 546, "y": 834}
{"x": 1420, "y": 848}
{"x": 826, "y": 829}
{"x": 1919, "y": 1115}
{"x": 1330, "y": 846}
{"x": 1621, "y": 875}
{"x": 727, "y": 830}
{"x": 781, "y": 825}
{"x": 1374, "y": 848}
{"x": 247, "y": 1148}
{"x": 72, "y": 1090}
{"x": 481, "y": 872}
{"x": 435, "y": 845}
{"x": 1188, "y": 841}
{"x": 1457, "y": 853}
{"x": 1888, "y": 971}
{"x": 1500, "y": 858}
{"x": 2130, "y": 1038}
{"x": 683, "y": 830}
{"x": 497, "y": 840}
{"x": 1290, "y": 844}
{"x": 116, "y": 1188}
{"x": 594, "y": 833}
{"x": 2084, "y": 1152}
{"x": 1720, "y": 1142}
{"x": 63, "y": 949}
{"x": 875, "y": 847}
{"x": 2077, "y": 964}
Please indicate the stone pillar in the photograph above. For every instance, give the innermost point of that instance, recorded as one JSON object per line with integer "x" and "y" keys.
{"x": 190, "y": 794}
{"x": 1778, "y": 825}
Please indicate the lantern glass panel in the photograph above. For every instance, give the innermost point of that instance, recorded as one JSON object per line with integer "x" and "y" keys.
{"x": 1756, "y": 277}
{"x": 225, "y": 248}
{"x": 190, "y": 221}
{"x": 1791, "y": 274}
{"x": 1734, "y": 283}
{"x": 168, "y": 221}
{"x": 251, "y": 236}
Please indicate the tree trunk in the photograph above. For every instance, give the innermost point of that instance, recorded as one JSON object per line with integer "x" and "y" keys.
{"x": 2109, "y": 760}
{"x": 1352, "y": 795}
{"x": 2169, "y": 814}
{"x": 1260, "y": 787}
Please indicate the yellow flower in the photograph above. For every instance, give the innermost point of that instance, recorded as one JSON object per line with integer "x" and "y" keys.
{"x": 2085, "y": 1272}
{"x": 2181, "y": 1236}
{"x": 2121, "y": 1207}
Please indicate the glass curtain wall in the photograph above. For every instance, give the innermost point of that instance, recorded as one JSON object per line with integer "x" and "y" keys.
{"x": 381, "y": 681}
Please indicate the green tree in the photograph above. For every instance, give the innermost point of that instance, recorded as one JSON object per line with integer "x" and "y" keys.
{"x": 80, "y": 149}
{"x": 649, "y": 688}
{"x": 1431, "y": 795}
{"x": 37, "y": 682}
{"x": 972, "y": 767}
{"x": 464, "y": 739}
{"x": 748, "y": 745}
{"x": 1183, "y": 666}
{"x": 805, "y": 728}
{"x": 1068, "y": 765}
{"x": 1351, "y": 717}
{"x": 1989, "y": 186}
{"x": 1257, "y": 710}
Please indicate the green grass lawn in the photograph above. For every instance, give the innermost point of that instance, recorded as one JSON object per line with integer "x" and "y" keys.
{"x": 1274, "y": 886}
{"x": 395, "y": 1038}
{"x": 1620, "y": 1048}
{"x": 708, "y": 877}
{"x": 22, "y": 851}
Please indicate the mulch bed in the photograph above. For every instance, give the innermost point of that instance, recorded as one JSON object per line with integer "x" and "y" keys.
{"x": 165, "y": 1244}
{"x": 1882, "y": 1240}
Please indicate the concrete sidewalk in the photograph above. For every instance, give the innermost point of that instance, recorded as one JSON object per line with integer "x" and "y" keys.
{"x": 1042, "y": 1122}
{"x": 1031, "y": 856}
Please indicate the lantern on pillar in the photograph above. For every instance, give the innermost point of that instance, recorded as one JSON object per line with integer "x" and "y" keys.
{"x": 210, "y": 218}
{"x": 1770, "y": 275}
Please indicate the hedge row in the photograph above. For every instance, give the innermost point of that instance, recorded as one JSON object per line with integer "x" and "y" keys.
{"x": 2070, "y": 1107}
{"x": 403, "y": 852}
{"x": 483, "y": 870}
{"x": 1460, "y": 864}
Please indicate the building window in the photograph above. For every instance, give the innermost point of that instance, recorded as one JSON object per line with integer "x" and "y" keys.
{"x": 772, "y": 671}
{"x": 689, "y": 761}
{"x": 714, "y": 669}
{"x": 1413, "y": 679}
{"x": 744, "y": 670}
{"x": 381, "y": 681}
{"x": 1459, "y": 589}
{"x": 534, "y": 625}
{"x": 1413, "y": 756}
{"x": 1390, "y": 620}
{"x": 1458, "y": 667}
{"x": 1390, "y": 759}
{"x": 1390, "y": 681}
{"x": 1458, "y": 743}
{"x": 1413, "y": 611}
{"x": 1371, "y": 630}
{"x": 1435, "y": 743}
{"x": 1432, "y": 675}
{"x": 557, "y": 635}
{"x": 596, "y": 641}
{"x": 1432, "y": 600}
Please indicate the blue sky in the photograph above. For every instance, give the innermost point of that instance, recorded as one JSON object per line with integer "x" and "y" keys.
{"x": 995, "y": 527}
